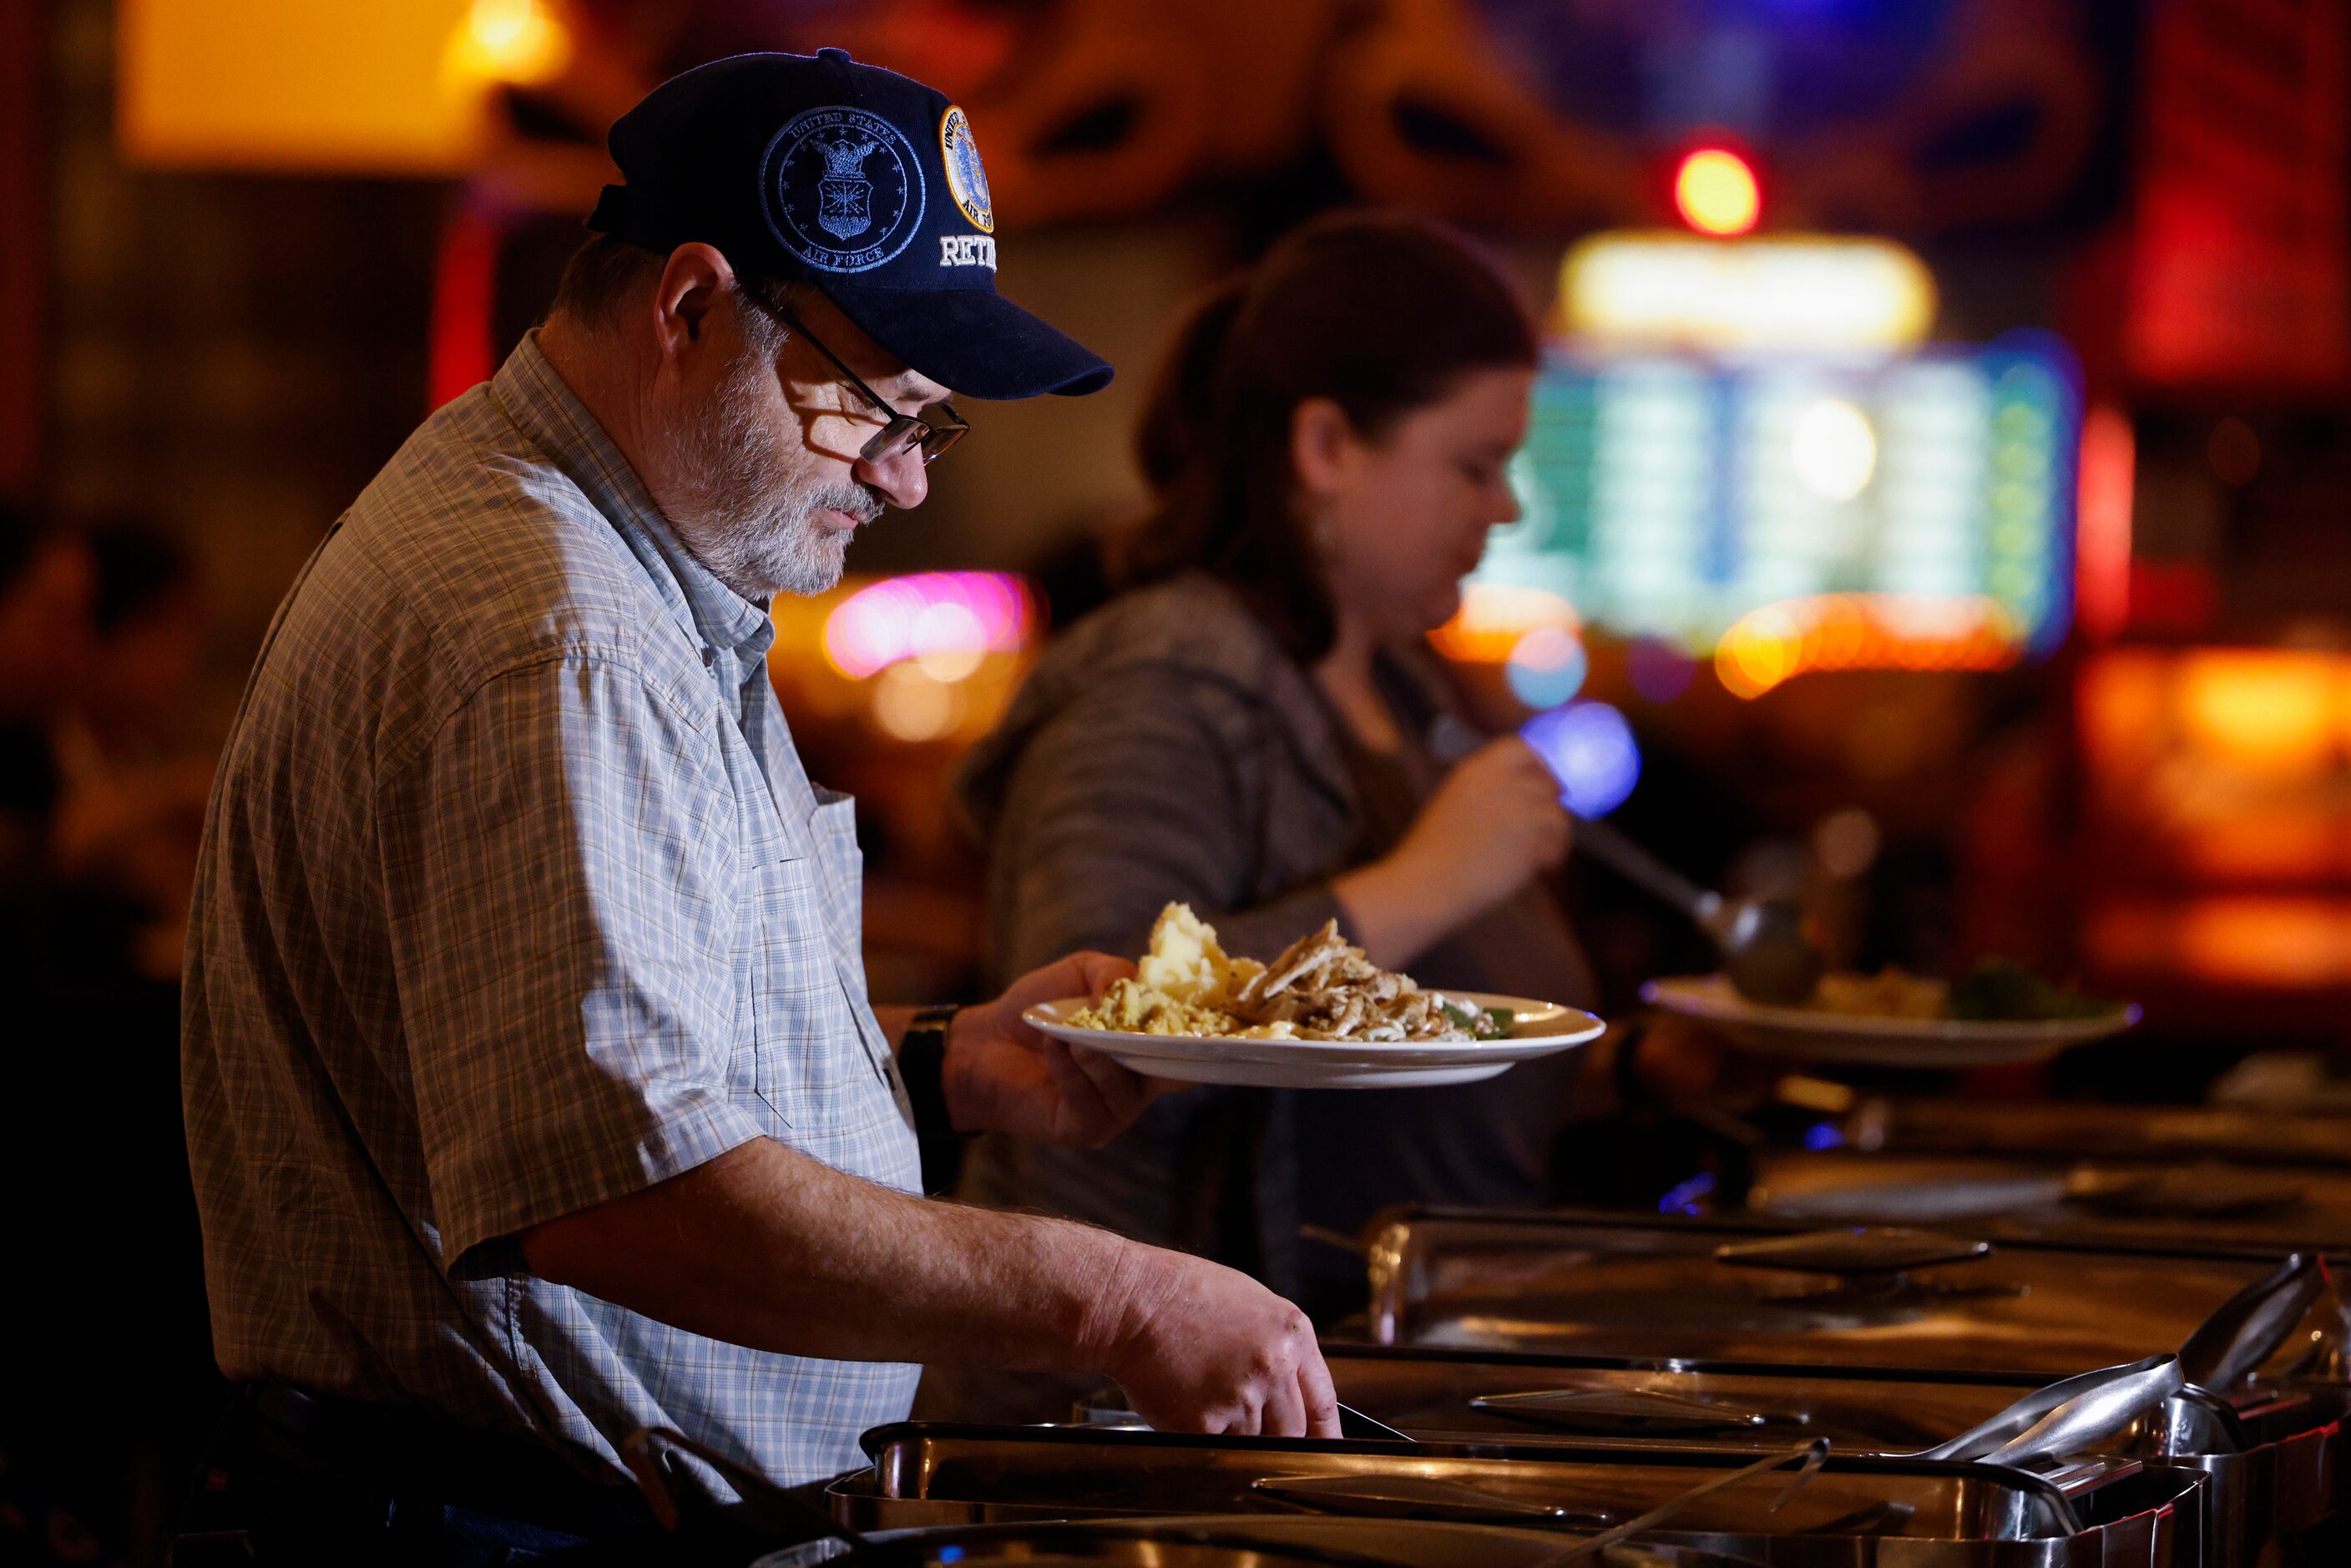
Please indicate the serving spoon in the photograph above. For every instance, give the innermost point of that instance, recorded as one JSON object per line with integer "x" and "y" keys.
{"x": 1764, "y": 949}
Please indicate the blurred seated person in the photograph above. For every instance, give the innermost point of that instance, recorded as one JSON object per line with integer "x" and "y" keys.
{"x": 134, "y": 770}
{"x": 46, "y": 587}
{"x": 1256, "y": 728}
{"x": 92, "y": 856}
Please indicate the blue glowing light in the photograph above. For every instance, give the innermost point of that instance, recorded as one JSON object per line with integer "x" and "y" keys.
{"x": 1823, "y": 1136}
{"x": 1547, "y": 667}
{"x": 1688, "y": 1197}
{"x": 1590, "y": 749}
{"x": 950, "y": 1554}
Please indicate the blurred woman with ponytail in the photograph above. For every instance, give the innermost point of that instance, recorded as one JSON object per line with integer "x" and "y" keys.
{"x": 1255, "y": 727}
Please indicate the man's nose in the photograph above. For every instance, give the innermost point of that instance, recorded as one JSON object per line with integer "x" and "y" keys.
{"x": 902, "y": 480}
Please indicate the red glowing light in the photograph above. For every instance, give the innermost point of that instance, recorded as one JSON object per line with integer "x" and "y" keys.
{"x": 2101, "y": 557}
{"x": 464, "y": 285}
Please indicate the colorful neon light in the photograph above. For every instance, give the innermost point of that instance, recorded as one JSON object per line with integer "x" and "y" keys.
{"x": 2102, "y": 559}
{"x": 944, "y": 621}
{"x": 1810, "y": 294}
{"x": 1668, "y": 497}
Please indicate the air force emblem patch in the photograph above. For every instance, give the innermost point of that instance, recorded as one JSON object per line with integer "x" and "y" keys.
{"x": 844, "y": 189}
{"x": 967, "y": 181}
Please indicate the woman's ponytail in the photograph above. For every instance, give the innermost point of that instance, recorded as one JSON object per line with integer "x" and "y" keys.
{"x": 1173, "y": 430}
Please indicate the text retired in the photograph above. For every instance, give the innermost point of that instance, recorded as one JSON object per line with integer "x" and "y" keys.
{"x": 967, "y": 250}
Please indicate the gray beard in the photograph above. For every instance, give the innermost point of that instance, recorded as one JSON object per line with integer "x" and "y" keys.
{"x": 747, "y": 513}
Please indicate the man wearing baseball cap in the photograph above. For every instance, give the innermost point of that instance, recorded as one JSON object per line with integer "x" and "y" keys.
{"x": 542, "y": 1129}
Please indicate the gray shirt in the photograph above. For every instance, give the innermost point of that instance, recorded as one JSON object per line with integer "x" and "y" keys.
{"x": 1168, "y": 748}
{"x": 514, "y": 899}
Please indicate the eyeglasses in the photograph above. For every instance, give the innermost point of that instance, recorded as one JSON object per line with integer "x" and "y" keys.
{"x": 902, "y": 432}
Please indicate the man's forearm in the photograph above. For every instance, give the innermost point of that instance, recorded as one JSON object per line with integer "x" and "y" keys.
{"x": 767, "y": 1248}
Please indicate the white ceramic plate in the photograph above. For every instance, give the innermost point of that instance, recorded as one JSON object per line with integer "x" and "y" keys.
{"x": 1542, "y": 1028}
{"x": 1805, "y": 1034}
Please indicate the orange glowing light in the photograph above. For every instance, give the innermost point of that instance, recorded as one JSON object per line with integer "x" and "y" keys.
{"x": 1716, "y": 193}
{"x": 1864, "y": 632}
{"x": 2268, "y": 941}
{"x": 2271, "y": 942}
{"x": 2273, "y": 713}
{"x": 292, "y": 85}
{"x": 2232, "y": 759}
{"x": 1493, "y": 617}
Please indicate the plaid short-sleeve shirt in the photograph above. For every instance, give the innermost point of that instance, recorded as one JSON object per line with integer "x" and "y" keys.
{"x": 515, "y": 898}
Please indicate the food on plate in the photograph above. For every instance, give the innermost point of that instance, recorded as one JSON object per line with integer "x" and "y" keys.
{"x": 1996, "y": 990}
{"x": 1891, "y": 993}
{"x": 1323, "y": 987}
{"x": 2000, "y": 988}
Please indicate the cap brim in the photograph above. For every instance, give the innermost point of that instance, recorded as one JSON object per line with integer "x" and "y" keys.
{"x": 973, "y": 341}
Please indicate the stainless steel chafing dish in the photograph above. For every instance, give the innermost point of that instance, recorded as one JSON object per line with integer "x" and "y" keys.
{"x": 1854, "y": 1513}
{"x": 1574, "y": 1282}
{"x": 2078, "y": 1132}
{"x": 2269, "y": 1458}
{"x": 2260, "y": 1210}
{"x": 1235, "y": 1541}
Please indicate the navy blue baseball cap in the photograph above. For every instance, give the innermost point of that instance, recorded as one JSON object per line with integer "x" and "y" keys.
{"x": 862, "y": 182}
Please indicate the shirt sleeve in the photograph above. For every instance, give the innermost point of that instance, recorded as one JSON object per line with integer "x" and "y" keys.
{"x": 560, "y": 867}
{"x": 1130, "y": 799}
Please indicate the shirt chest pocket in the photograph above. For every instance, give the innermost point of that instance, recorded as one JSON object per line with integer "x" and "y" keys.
{"x": 812, "y": 1061}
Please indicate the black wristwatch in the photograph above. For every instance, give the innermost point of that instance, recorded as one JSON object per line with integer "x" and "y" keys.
{"x": 922, "y": 1062}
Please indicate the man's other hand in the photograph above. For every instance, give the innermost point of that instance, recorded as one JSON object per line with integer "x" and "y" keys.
{"x": 1199, "y": 1347}
{"x": 1002, "y": 1076}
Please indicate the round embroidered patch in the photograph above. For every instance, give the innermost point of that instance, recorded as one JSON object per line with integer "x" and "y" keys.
{"x": 967, "y": 181}
{"x": 844, "y": 189}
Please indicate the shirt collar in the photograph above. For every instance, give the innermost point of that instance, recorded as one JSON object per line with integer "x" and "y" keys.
{"x": 546, "y": 410}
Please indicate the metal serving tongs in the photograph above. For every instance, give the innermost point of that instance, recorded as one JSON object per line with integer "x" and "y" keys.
{"x": 2253, "y": 1325}
{"x": 2071, "y": 1416}
{"x": 1809, "y": 1459}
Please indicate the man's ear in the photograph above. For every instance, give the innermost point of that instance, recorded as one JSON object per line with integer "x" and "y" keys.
{"x": 693, "y": 281}
{"x": 1322, "y": 447}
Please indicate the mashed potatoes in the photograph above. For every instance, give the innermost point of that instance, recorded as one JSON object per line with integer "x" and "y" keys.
{"x": 1182, "y": 986}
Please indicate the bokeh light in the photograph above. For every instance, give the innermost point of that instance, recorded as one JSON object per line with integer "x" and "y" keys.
{"x": 1547, "y": 667}
{"x": 1590, "y": 749}
{"x": 519, "y": 43}
{"x": 1833, "y": 449}
{"x": 1658, "y": 670}
{"x": 947, "y": 619}
{"x": 1847, "y": 844}
{"x": 1865, "y": 632}
{"x": 1494, "y": 617}
{"x": 1716, "y": 193}
{"x": 1812, "y": 295}
{"x": 910, "y": 705}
